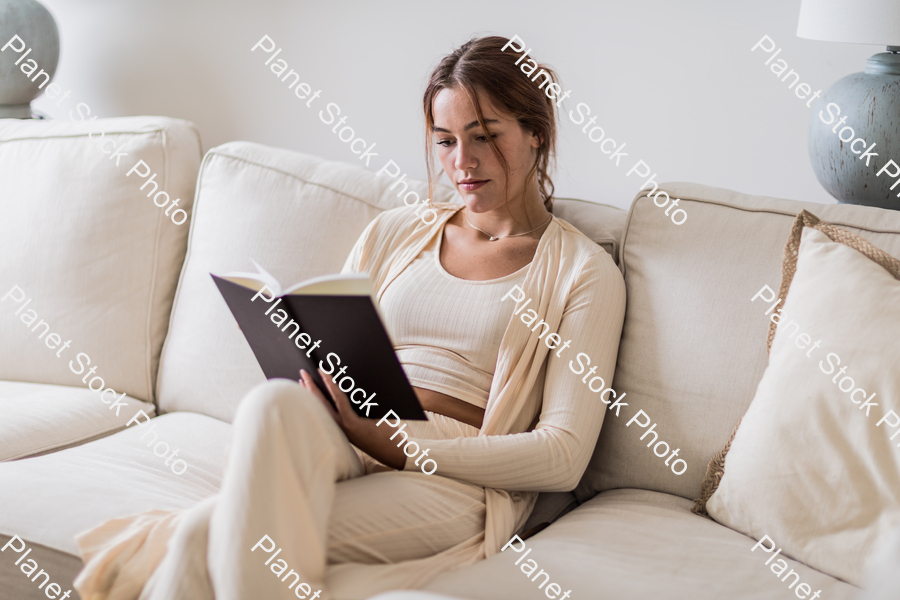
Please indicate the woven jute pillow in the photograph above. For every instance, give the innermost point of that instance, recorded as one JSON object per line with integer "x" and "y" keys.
{"x": 716, "y": 468}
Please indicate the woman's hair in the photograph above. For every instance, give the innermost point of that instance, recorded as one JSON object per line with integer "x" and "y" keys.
{"x": 480, "y": 65}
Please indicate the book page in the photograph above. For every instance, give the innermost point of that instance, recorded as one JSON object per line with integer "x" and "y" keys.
{"x": 256, "y": 281}
{"x": 339, "y": 284}
{"x": 342, "y": 284}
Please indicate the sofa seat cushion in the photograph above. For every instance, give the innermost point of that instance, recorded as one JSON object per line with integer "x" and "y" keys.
{"x": 50, "y": 499}
{"x": 634, "y": 544}
{"x": 38, "y": 418}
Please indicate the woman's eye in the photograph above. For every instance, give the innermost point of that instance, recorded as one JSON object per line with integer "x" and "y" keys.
{"x": 444, "y": 143}
{"x": 482, "y": 138}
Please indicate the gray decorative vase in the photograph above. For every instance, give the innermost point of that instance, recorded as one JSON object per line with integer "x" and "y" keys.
{"x": 871, "y": 103}
{"x": 34, "y": 25}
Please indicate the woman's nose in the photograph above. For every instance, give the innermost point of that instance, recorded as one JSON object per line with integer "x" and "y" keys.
{"x": 465, "y": 157}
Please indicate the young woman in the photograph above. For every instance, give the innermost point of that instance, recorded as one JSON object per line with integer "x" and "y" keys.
{"x": 496, "y": 308}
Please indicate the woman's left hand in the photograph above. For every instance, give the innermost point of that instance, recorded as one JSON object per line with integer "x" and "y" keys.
{"x": 362, "y": 432}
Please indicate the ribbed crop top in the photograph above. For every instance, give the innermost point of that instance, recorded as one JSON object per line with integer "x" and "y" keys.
{"x": 447, "y": 331}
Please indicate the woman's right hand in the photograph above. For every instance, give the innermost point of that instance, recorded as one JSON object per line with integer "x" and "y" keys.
{"x": 362, "y": 433}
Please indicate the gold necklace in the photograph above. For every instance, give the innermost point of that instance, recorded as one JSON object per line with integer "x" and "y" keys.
{"x": 492, "y": 238}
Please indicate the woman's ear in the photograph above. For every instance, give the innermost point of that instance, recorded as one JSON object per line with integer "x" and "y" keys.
{"x": 536, "y": 140}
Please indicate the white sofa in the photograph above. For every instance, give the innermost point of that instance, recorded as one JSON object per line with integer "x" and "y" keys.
{"x": 109, "y": 271}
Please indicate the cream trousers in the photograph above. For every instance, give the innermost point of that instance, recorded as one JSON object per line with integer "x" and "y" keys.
{"x": 293, "y": 476}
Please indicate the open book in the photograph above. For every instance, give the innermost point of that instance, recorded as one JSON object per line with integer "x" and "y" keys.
{"x": 329, "y": 322}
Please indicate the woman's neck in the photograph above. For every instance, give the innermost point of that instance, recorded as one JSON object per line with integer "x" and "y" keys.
{"x": 520, "y": 216}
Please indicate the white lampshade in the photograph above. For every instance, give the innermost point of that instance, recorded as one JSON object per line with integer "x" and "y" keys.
{"x": 875, "y": 22}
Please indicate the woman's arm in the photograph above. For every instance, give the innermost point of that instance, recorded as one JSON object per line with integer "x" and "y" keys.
{"x": 555, "y": 454}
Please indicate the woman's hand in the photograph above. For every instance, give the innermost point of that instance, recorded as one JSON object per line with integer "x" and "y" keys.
{"x": 362, "y": 433}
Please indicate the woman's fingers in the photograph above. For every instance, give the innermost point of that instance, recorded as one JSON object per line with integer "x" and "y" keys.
{"x": 363, "y": 433}
{"x": 307, "y": 382}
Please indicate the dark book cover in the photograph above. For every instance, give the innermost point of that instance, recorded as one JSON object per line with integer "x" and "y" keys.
{"x": 353, "y": 343}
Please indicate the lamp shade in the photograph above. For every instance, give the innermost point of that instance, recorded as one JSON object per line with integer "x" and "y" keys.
{"x": 875, "y": 22}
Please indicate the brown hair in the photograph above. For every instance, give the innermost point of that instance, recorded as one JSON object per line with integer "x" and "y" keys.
{"x": 479, "y": 65}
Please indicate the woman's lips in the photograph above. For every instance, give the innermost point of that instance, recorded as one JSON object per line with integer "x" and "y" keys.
{"x": 473, "y": 185}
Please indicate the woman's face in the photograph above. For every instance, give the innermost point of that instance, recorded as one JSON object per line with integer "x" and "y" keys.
{"x": 467, "y": 157}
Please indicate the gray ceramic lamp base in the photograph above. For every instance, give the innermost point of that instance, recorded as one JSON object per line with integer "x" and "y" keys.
{"x": 35, "y": 27}
{"x": 21, "y": 111}
{"x": 870, "y": 101}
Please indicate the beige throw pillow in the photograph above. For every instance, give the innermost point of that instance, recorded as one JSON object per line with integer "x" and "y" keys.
{"x": 812, "y": 464}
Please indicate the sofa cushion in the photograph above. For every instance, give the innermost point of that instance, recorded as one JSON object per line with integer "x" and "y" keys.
{"x": 633, "y": 544}
{"x": 52, "y": 498}
{"x": 809, "y": 466}
{"x": 602, "y": 223}
{"x": 94, "y": 258}
{"x": 693, "y": 346}
{"x": 41, "y": 418}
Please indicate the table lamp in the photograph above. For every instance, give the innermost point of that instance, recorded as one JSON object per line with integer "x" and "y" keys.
{"x": 869, "y": 100}
{"x": 30, "y": 22}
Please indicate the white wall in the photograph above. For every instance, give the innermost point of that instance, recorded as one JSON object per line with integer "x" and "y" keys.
{"x": 676, "y": 81}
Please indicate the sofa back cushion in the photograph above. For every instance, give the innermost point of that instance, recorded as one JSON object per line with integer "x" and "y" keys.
{"x": 602, "y": 223}
{"x": 693, "y": 345}
{"x": 96, "y": 258}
